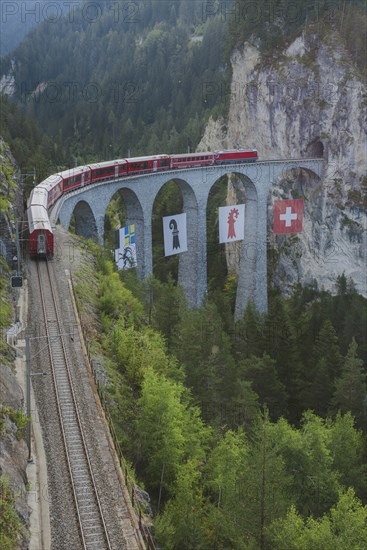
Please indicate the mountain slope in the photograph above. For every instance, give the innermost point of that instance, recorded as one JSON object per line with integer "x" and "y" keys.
{"x": 122, "y": 82}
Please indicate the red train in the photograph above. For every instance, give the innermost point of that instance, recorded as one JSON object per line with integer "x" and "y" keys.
{"x": 46, "y": 193}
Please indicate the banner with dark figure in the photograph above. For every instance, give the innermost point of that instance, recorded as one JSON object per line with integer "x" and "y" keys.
{"x": 175, "y": 234}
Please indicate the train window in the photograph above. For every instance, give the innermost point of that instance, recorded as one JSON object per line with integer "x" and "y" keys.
{"x": 164, "y": 162}
{"x": 73, "y": 181}
{"x": 104, "y": 171}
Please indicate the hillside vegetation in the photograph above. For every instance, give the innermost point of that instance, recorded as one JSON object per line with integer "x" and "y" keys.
{"x": 248, "y": 434}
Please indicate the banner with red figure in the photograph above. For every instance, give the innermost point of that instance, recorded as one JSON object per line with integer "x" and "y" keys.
{"x": 231, "y": 223}
{"x": 288, "y": 216}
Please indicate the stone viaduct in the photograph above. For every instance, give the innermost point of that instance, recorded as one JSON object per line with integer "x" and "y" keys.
{"x": 89, "y": 205}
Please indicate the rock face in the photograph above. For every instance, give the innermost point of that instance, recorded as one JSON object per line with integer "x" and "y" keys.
{"x": 307, "y": 101}
{"x": 13, "y": 450}
{"x": 11, "y": 202}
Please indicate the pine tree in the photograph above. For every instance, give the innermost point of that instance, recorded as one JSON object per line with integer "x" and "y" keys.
{"x": 350, "y": 387}
{"x": 280, "y": 343}
{"x": 347, "y": 450}
{"x": 204, "y": 350}
{"x": 268, "y": 485}
{"x": 248, "y": 338}
{"x": 262, "y": 373}
{"x": 326, "y": 365}
{"x": 169, "y": 431}
{"x": 181, "y": 524}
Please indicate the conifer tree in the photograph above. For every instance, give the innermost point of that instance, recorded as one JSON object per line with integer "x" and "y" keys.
{"x": 280, "y": 343}
{"x": 350, "y": 387}
{"x": 262, "y": 373}
{"x": 325, "y": 368}
{"x": 248, "y": 337}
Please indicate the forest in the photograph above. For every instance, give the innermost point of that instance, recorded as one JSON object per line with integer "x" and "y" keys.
{"x": 136, "y": 84}
{"x": 248, "y": 434}
{"x": 146, "y": 78}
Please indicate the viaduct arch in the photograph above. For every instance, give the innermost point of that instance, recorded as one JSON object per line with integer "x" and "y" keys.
{"x": 139, "y": 193}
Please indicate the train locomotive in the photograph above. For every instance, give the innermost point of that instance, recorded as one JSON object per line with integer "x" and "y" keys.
{"x": 41, "y": 238}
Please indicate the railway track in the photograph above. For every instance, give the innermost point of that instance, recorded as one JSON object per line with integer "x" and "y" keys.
{"x": 93, "y": 531}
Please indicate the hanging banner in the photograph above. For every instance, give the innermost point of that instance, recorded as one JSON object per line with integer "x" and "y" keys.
{"x": 125, "y": 247}
{"x": 231, "y": 223}
{"x": 175, "y": 234}
{"x": 288, "y": 216}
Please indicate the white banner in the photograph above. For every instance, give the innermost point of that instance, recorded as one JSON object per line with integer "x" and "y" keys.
{"x": 231, "y": 223}
{"x": 125, "y": 247}
{"x": 175, "y": 234}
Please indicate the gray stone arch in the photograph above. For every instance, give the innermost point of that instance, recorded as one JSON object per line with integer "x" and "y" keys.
{"x": 188, "y": 270}
{"x": 134, "y": 215}
{"x": 300, "y": 183}
{"x": 242, "y": 189}
{"x": 85, "y": 222}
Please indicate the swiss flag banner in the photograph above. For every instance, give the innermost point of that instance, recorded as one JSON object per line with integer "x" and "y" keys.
{"x": 288, "y": 216}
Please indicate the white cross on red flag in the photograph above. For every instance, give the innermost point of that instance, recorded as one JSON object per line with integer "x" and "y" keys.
{"x": 288, "y": 216}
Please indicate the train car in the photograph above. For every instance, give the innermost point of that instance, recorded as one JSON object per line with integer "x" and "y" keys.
{"x": 145, "y": 165}
{"x": 38, "y": 196}
{"x": 109, "y": 169}
{"x": 75, "y": 177}
{"x": 41, "y": 238}
{"x": 235, "y": 156}
{"x": 53, "y": 186}
{"x": 190, "y": 160}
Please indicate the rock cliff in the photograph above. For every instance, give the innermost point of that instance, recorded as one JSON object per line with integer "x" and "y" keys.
{"x": 306, "y": 100}
{"x": 13, "y": 450}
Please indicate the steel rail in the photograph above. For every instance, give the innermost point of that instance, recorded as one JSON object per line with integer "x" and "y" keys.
{"x": 93, "y": 526}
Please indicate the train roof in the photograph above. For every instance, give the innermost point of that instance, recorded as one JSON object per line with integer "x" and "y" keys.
{"x": 50, "y": 182}
{"x": 71, "y": 172}
{"x": 145, "y": 159}
{"x": 38, "y": 196}
{"x": 106, "y": 163}
{"x": 38, "y": 218}
{"x": 236, "y": 151}
{"x": 184, "y": 155}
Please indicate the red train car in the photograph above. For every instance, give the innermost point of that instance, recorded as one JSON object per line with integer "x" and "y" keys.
{"x": 235, "y": 156}
{"x": 145, "y": 165}
{"x": 190, "y": 160}
{"x": 41, "y": 238}
{"x": 75, "y": 177}
{"x": 108, "y": 170}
